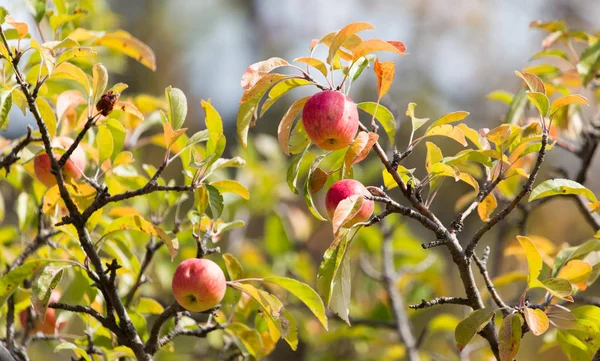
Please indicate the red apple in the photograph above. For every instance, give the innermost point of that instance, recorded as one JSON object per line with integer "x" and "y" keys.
{"x": 49, "y": 325}
{"x": 330, "y": 119}
{"x": 343, "y": 189}
{"x": 73, "y": 168}
{"x": 198, "y": 284}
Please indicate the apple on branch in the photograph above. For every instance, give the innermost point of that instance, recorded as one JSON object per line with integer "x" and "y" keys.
{"x": 343, "y": 189}
{"x": 198, "y": 284}
{"x": 330, "y": 119}
{"x": 73, "y": 168}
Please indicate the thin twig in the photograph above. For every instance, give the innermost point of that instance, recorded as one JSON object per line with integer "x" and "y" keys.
{"x": 441, "y": 301}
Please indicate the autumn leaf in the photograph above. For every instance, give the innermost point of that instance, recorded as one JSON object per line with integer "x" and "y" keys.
{"x": 385, "y": 76}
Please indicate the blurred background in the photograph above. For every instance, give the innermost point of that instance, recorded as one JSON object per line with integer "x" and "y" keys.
{"x": 458, "y": 52}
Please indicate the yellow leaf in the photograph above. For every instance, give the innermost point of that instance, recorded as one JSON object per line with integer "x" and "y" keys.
{"x": 449, "y": 131}
{"x": 123, "y": 158}
{"x": 373, "y": 45}
{"x": 343, "y": 35}
{"x": 47, "y": 114}
{"x": 231, "y": 186}
{"x": 315, "y": 63}
{"x": 69, "y": 71}
{"x": 385, "y": 76}
{"x": 534, "y": 260}
{"x": 258, "y": 70}
{"x": 127, "y": 44}
{"x": 124, "y": 211}
{"x": 577, "y": 272}
{"x": 536, "y": 320}
{"x": 129, "y": 108}
{"x": 486, "y": 207}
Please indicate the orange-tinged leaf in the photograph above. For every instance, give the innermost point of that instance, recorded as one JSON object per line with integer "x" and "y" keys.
{"x": 536, "y": 320}
{"x": 130, "y": 109}
{"x": 373, "y": 45}
{"x": 343, "y": 35}
{"x": 359, "y": 148}
{"x": 285, "y": 125}
{"x": 509, "y": 337}
{"x": 534, "y": 260}
{"x": 21, "y": 27}
{"x": 345, "y": 211}
{"x": 534, "y": 83}
{"x": 567, "y": 100}
{"x": 170, "y": 135}
{"x": 124, "y": 211}
{"x": 317, "y": 181}
{"x": 129, "y": 45}
{"x": 486, "y": 207}
{"x": 257, "y": 70}
{"x": 315, "y": 63}
{"x": 385, "y": 76}
{"x": 577, "y": 272}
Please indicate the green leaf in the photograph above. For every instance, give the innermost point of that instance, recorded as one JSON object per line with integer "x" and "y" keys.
{"x": 341, "y": 291}
{"x": 71, "y": 346}
{"x": 555, "y": 187}
{"x": 214, "y": 124}
{"x": 198, "y": 137}
{"x": 47, "y": 114}
{"x": 589, "y": 62}
{"x": 383, "y": 115}
{"x": 534, "y": 260}
{"x": 10, "y": 281}
{"x": 294, "y": 170}
{"x": 75, "y": 52}
{"x": 541, "y": 102}
{"x": 415, "y": 122}
{"x": 536, "y": 320}
{"x": 517, "y": 106}
{"x": 558, "y": 287}
{"x": 148, "y": 306}
{"x": 307, "y": 194}
{"x": 509, "y": 337}
{"x": 329, "y": 267}
{"x": 231, "y": 186}
{"x": 470, "y": 325}
{"x": 176, "y": 107}
{"x": 359, "y": 66}
{"x": 215, "y": 201}
{"x": 139, "y": 224}
{"x": 42, "y": 288}
{"x": 5, "y": 105}
{"x": 279, "y": 90}
{"x": 104, "y": 143}
{"x": 291, "y": 328}
{"x": 234, "y": 268}
{"x": 223, "y": 227}
{"x": 3, "y": 14}
{"x": 249, "y": 338}
{"x": 305, "y": 293}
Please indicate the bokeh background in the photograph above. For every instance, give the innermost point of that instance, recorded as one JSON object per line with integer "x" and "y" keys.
{"x": 459, "y": 51}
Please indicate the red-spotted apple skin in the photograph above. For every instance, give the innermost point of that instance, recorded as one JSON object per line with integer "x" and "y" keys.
{"x": 73, "y": 168}
{"x": 330, "y": 119}
{"x": 49, "y": 326}
{"x": 198, "y": 284}
{"x": 343, "y": 189}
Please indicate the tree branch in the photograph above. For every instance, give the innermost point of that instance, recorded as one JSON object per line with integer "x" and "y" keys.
{"x": 441, "y": 301}
{"x": 490, "y": 285}
{"x": 12, "y": 157}
{"x": 509, "y": 207}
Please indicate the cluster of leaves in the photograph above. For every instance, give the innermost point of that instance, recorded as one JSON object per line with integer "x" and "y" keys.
{"x": 499, "y": 164}
{"x": 122, "y": 211}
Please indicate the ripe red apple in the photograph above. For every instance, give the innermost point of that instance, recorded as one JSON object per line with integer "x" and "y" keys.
{"x": 343, "y": 189}
{"x": 73, "y": 168}
{"x": 198, "y": 284}
{"x": 330, "y": 119}
{"x": 49, "y": 325}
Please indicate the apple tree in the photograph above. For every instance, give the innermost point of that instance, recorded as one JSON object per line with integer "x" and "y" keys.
{"x": 105, "y": 258}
